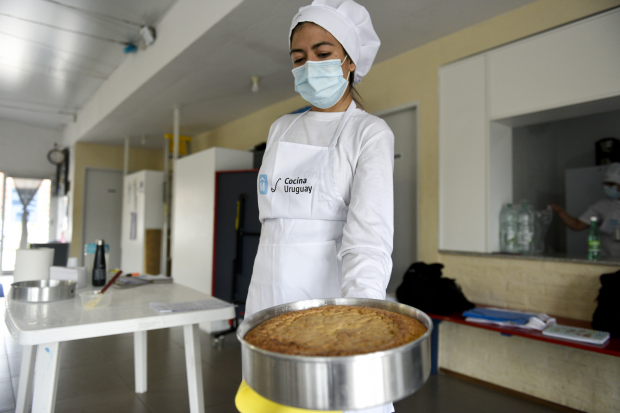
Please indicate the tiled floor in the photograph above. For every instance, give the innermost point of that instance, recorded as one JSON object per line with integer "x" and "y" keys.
{"x": 97, "y": 375}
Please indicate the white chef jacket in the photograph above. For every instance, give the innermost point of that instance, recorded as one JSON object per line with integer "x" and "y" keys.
{"x": 363, "y": 174}
{"x": 607, "y": 212}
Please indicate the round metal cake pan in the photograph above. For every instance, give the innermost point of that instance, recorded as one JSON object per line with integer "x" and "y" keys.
{"x": 339, "y": 382}
{"x": 43, "y": 291}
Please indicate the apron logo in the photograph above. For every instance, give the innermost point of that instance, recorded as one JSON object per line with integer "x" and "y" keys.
{"x": 297, "y": 188}
{"x": 262, "y": 184}
{"x": 276, "y": 187}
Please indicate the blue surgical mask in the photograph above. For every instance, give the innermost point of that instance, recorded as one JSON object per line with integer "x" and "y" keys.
{"x": 321, "y": 83}
{"x": 611, "y": 191}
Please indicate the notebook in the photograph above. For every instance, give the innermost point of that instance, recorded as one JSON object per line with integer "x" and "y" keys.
{"x": 577, "y": 334}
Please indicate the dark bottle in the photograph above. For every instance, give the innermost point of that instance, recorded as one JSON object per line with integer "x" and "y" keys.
{"x": 99, "y": 270}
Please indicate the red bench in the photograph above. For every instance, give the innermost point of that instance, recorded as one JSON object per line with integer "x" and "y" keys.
{"x": 611, "y": 347}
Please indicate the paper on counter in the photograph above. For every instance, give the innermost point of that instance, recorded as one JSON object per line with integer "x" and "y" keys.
{"x": 208, "y": 304}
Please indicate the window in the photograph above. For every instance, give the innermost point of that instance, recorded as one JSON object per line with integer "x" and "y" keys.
{"x": 12, "y": 211}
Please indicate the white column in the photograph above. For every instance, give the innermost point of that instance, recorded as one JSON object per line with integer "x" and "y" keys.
{"x": 193, "y": 362}
{"x": 126, "y": 160}
{"x": 139, "y": 355}
{"x": 24, "y": 391}
{"x": 176, "y": 126}
{"x": 164, "y": 233}
{"x": 46, "y": 377}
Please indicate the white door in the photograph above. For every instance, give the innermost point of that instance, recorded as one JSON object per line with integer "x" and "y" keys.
{"x": 103, "y": 206}
{"x": 404, "y": 125}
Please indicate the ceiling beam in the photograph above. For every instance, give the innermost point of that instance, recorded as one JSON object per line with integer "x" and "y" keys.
{"x": 185, "y": 23}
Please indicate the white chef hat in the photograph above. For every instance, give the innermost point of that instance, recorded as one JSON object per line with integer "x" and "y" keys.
{"x": 350, "y": 24}
{"x": 613, "y": 173}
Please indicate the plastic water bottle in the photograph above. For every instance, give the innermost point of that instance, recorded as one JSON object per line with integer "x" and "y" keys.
{"x": 525, "y": 229}
{"x": 508, "y": 230}
{"x": 99, "y": 268}
{"x": 594, "y": 241}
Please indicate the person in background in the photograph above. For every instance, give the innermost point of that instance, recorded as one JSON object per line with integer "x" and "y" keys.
{"x": 607, "y": 212}
{"x": 327, "y": 209}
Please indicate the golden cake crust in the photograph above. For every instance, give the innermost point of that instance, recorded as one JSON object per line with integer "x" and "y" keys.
{"x": 335, "y": 330}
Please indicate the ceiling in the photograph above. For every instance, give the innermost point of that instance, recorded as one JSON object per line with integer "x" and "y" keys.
{"x": 47, "y": 74}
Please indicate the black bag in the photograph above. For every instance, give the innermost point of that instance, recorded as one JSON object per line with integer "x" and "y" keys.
{"x": 607, "y": 314}
{"x": 425, "y": 289}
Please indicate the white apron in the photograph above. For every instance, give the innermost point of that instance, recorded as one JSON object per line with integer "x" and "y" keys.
{"x": 303, "y": 217}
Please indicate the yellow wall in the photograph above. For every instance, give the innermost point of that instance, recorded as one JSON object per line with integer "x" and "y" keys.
{"x": 559, "y": 288}
{"x": 88, "y": 155}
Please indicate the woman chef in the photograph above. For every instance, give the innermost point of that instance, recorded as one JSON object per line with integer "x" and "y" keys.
{"x": 325, "y": 186}
{"x": 607, "y": 212}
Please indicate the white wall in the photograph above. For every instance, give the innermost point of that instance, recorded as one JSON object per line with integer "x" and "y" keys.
{"x": 403, "y": 123}
{"x": 535, "y": 166}
{"x": 576, "y": 138}
{"x": 23, "y": 149}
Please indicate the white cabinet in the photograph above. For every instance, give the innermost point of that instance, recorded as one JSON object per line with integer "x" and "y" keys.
{"x": 143, "y": 218}
{"x": 558, "y": 74}
{"x": 462, "y": 155}
{"x": 573, "y": 64}
{"x": 193, "y": 210}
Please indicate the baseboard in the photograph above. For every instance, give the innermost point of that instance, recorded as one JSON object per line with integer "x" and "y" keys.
{"x": 495, "y": 387}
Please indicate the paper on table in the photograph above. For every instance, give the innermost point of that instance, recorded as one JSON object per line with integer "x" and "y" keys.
{"x": 160, "y": 277}
{"x": 537, "y": 321}
{"x": 208, "y": 304}
{"x": 126, "y": 282}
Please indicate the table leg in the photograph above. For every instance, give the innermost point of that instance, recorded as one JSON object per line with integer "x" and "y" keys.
{"x": 24, "y": 389}
{"x": 139, "y": 354}
{"x": 46, "y": 377}
{"x": 193, "y": 362}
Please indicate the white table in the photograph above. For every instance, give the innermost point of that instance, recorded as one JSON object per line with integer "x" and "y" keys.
{"x": 41, "y": 329}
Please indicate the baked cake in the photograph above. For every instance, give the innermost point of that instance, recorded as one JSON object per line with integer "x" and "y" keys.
{"x": 335, "y": 330}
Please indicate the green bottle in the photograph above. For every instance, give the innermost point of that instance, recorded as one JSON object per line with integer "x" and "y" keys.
{"x": 594, "y": 241}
